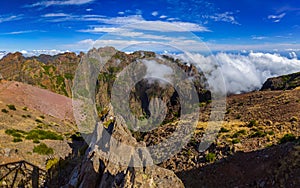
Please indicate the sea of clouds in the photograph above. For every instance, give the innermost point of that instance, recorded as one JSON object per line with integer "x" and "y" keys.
{"x": 247, "y": 72}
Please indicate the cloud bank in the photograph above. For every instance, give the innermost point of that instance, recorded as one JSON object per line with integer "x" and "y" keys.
{"x": 245, "y": 73}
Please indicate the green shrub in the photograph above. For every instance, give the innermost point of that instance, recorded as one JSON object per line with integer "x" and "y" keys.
{"x": 59, "y": 80}
{"x": 42, "y": 135}
{"x": 51, "y": 162}
{"x": 38, "y": 121}
{"x": 25, "y": 108}
{"x": 11, "y": 107}
{"x": 43, "y": 117}
{"x": 252, "y": 123}
{"x": 224, "y": 130}
{"x": 18, "y": 135}
{"x": 287, "y": 138}
{"x": 236, "y": 140}
{"x": 210, "y": 157}
{"x": 69, "y": 76}
{"x": 17, "y": 140}
{"x": 258, "y": 134}
{"x": 243, "y": 131}
{"x": 14, "y": 132}
{"x": 238, "y": 116}
{"x": 24, "y": 116}
{"x": 36, "y": 141}
{"x": 237, "y": 134}
{"x": 228, "y": 111}
{"x": 43, "y": 149}
{"x": 4, "y": 110}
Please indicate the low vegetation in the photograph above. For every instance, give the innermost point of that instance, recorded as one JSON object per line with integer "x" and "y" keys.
{"x": 210, "y": 157}
{"x": 4, "y": 110}
{"x": 51, "y": 162}
{"x": 258, "y": 134}
{"x": 11, "y": 107}
{"x": 35, "y": 135}
{"x": 42, "y": 135}
{"x": 17, "y": 140}
{"x": 287, "y": 138}
{"x": 252, "y": 123}
{"x": 43, "y": 149}
{"x": 236, "y": 141}
{"x": 224, "y": 130}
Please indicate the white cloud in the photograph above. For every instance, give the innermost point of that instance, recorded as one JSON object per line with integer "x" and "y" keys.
{"x": 121, "y": 13}
{"x": 61, "y": 17}
{"x": 191, "y": 26}
{"x": 142, "y": 28}
{"x": 162, "y": 26}
{"x": 158, "y": 71}
{"x": 88, "y": 9}
{"x": 60, "y": 3}
{"x": 8, "y": 18}
{"x": 55, "y": 15}
{"x": 276, "y": 18}
{"x": 224, "y": 17}
{"x": 122, "y": 20}
{"x": 101, "y": 30}
{"x": 258, "y": 37}
{"x": 155, "y": 13}
{"x": 163, "y": 16}
{"x": 19, "y": 32}
{"x": 172, "y": 19}
{"x": 293, "y": 55}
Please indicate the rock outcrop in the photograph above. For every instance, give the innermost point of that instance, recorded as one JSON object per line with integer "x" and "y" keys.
{"x": 286, "y": 82}
{"x": 54, "y": 73}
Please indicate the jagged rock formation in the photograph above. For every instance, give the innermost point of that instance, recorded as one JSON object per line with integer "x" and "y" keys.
{"x": 96, "y": 170}
{"x": 285, "y": 82}
{"x": 54, "y": 73}
{"x": 108, "y": 163}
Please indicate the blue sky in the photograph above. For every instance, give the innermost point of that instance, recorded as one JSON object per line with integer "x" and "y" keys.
{"x": 78, "y": 24}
